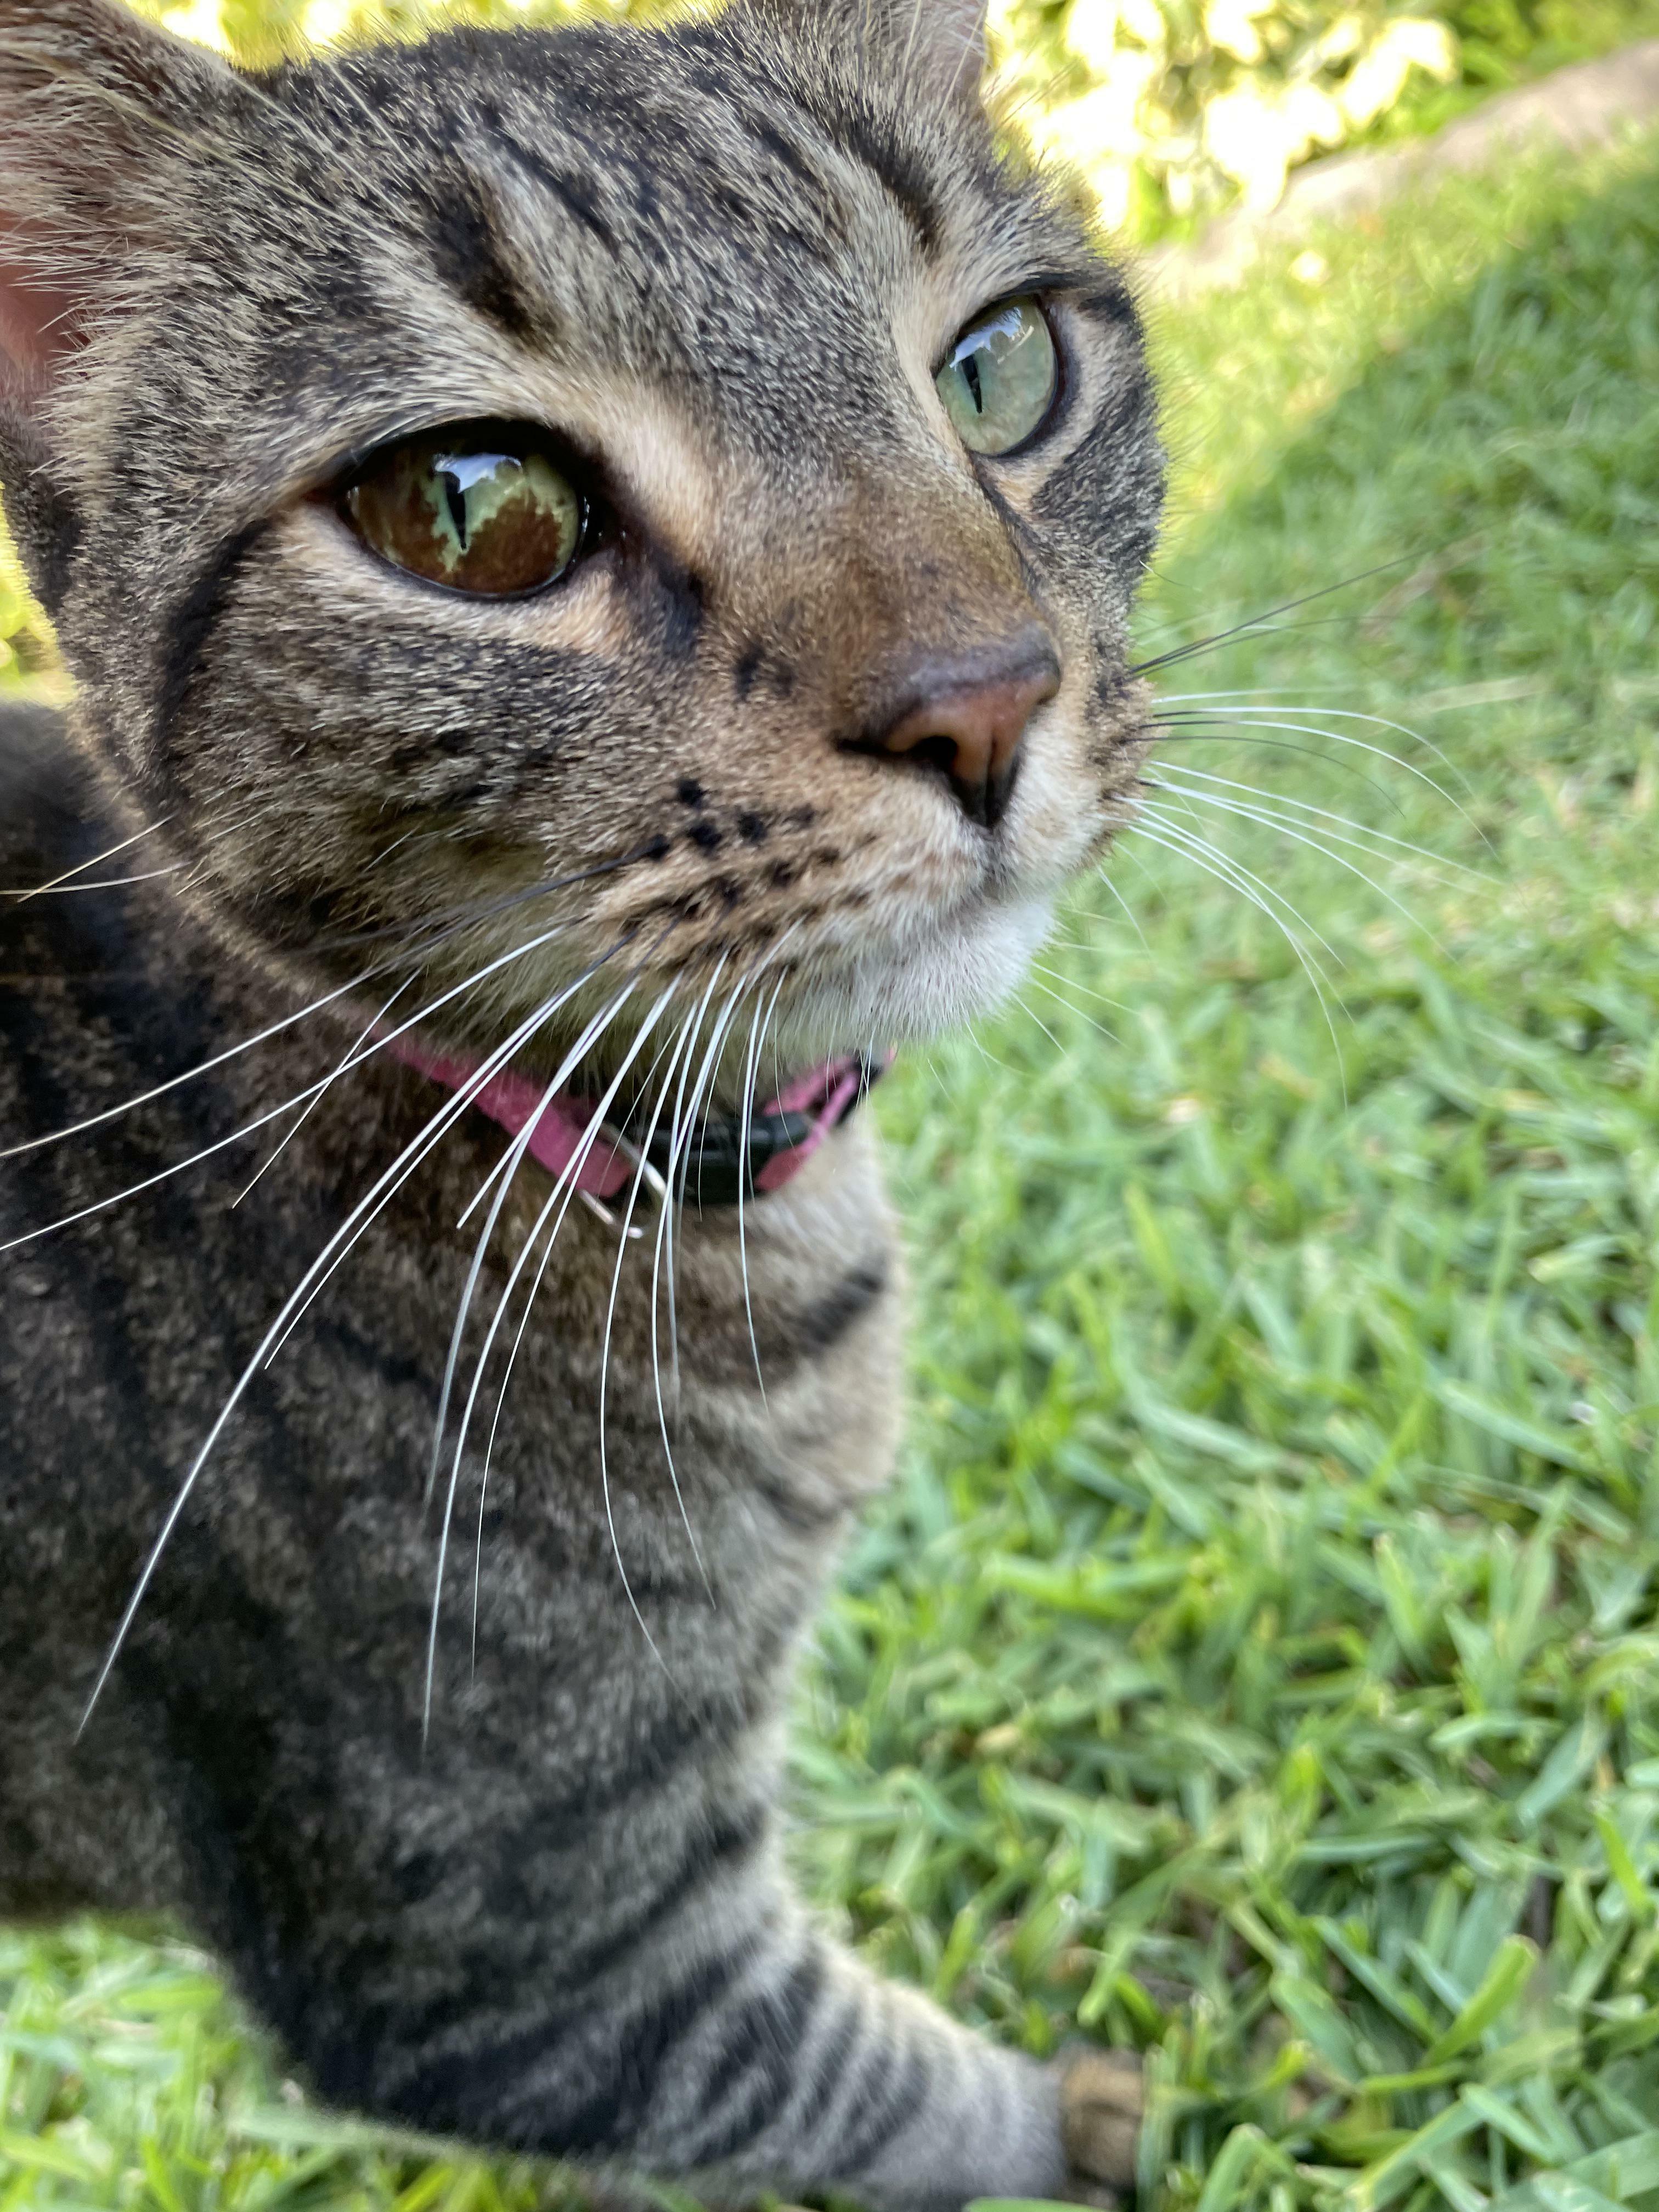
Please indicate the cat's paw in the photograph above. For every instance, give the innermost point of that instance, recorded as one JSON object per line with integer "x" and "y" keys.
{"x": 1101, "y": 2103}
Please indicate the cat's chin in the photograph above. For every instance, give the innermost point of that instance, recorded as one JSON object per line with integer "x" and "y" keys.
{"x": 951, "y": 973}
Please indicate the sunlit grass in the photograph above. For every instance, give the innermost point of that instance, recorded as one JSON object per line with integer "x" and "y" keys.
{"x": 1257, "y": 1660}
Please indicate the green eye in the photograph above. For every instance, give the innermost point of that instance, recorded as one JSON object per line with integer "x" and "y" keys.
{"x": 478, "y": 507}
{"x": 999, "y": 382}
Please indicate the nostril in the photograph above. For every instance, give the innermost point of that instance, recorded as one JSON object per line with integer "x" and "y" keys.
{"x": 938, "y": 752}
{"x": 965, "y": 716}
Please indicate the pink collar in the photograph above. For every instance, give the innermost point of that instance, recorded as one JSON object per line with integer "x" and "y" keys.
{"x": 780, "y": 1138}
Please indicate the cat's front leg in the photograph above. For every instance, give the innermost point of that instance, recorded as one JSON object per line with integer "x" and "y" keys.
{"x": 805, "y": 2072}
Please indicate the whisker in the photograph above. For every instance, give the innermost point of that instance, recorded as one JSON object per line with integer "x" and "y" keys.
{"x": 272, "y": 1113}
{"x": 1059, "y": 976}
{"x": 604, "y": 1465}
{"x": 1129, "y": 911}
{"x": 1186, "y": 850}
{"x": 1190, "y": 728}
{"x": 679, "y": 1169}
{"x": 449, "y": 921}
{"x": 418, "y": 948}
{"x": 98, "y": 882}
{"x": 1289, "y": 830}
{"x": 1269, "y": 614}
{"x": 1301, "y": 833}
{"x": 678, "y": 1128}
{"x": 97, "y": 860}
{"x": 491, "y": 1065}
{"x": 1071, "y": 1007}
{"x": 1362, "y": 829}
{"x": 502, "y": 1176}
{"x": 311, "y": 1105}
{"x": 568, "y": 1174}
{"x": 367, "y": 1209}
{"x": 690, "y": 1035}
{"x": 745, "y": 1110}
{"x": 1260, "y": 717}
{"x": 616, "y": 1278}
{"x": 1161, "y": 814}
{"x": 1032, "y": 1016}
{"x": 590, "y": 1138}
{"x": 202, "y": 1068}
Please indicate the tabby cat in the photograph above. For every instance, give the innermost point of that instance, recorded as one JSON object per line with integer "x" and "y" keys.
{"x": 594, "y": 566}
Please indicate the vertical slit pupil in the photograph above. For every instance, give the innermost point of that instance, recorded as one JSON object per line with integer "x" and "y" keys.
{"x": 455, "y": 500}
{"x": 970, "y": 378}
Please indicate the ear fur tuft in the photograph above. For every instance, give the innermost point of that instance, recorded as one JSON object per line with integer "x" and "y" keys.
{"x": 102, "y": 119}
{"x": 932, "y": 48}
{"x": 93, "y": 105}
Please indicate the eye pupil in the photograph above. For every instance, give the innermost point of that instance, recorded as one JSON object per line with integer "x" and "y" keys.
{"x": 999, "y": 384}
{"x": 482, "y": 508}
{"x": 455, "y": 498}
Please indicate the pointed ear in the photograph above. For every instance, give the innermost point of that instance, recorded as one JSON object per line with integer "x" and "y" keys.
{"x": 94, "y": 106}
{"x": 101, "y": 120}
{"x": 37, "y": 317}
{"x": 930, "y": 49}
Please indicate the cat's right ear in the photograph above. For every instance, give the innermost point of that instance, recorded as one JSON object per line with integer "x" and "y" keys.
{"x": 99, "y": 115}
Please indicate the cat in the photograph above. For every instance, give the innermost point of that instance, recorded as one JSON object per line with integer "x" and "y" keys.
{"x": 595, "y": 569}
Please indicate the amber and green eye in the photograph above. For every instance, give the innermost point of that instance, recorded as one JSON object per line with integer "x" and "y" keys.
{"x": 999, "y": 382}
{"x": 477, "y": 508}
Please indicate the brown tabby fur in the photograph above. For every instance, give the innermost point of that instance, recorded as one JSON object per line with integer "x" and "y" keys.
{"x": 544, "y": 1906}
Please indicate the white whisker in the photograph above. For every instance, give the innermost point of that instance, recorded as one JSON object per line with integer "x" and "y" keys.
{"x": 1178, "y": 841}
{"x": 1362, "y": 829}
{"x": 312, "y": 1103}
{"x": 1297, "y": 834}
{"x": 98, "y": 883}
{"x": 1059, "y": 976}
{"x": 746, "y": 1114}
{"x": 366, "y": 1210}
{"x": 271, "y": 1114}
{"x": 202, "y": 1068}
{"x": 589, "y": 1137}
{"x": 502, "y": 1176}
{"x": 1071, "y": 1007}
{"x": 665, "y": 1216}
{"x": 97, "y": 860}
{"x": 1264, "y": 717}
{"x": 569, "y": 1174}
{"x": 1161, "y": 814}
{"x": 1032, "y": 1015}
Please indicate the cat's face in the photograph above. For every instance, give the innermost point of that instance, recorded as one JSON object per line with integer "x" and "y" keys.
{"x": 699, "y": 287}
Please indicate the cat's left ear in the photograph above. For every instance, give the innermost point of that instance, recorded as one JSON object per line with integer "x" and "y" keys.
{"x": 927, "y": 49}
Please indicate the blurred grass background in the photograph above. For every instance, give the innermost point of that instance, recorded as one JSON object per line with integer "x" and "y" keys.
{"x": 1256, "y": 1661}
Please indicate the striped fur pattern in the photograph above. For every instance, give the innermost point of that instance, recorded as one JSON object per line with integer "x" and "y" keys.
{"x": 468, "y": 1762}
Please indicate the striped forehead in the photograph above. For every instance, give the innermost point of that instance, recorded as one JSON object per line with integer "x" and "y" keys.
{"x": 694, "y": 224}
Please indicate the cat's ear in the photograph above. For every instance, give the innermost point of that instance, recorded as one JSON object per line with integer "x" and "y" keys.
{"x": 928, "y": 48}
{"x": 102, "y": 123}
{"x": 97, "y": 111}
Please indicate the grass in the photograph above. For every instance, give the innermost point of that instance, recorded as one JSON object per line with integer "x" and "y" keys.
{"x": 1257, "y": 1660}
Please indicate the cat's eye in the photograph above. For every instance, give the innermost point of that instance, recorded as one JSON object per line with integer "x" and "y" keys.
{"x": 481, "y": 508}
{"x": 999, "y": 382}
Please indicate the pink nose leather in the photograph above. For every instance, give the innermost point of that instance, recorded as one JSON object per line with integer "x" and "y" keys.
{"x": 968, "y": 718}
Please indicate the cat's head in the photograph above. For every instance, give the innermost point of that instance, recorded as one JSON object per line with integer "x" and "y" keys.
{"x": 689, "y": 468}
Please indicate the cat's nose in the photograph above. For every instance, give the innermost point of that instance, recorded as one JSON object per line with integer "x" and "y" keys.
{"x": 965, "y": 715}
